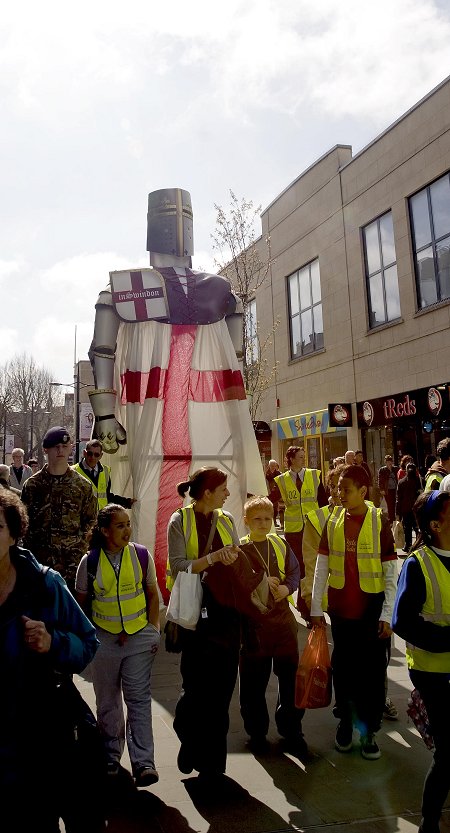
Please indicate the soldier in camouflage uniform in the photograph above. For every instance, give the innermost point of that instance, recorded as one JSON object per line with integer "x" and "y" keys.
{"x": 61, "y": 506}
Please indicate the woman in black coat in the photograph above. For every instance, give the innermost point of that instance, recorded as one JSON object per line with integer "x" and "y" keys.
{"x": 408, "y": 490}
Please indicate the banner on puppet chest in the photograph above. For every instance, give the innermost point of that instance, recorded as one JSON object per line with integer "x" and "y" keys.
{"x": 139, "y": 295}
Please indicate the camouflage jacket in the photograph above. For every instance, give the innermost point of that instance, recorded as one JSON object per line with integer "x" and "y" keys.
{"x": 61, "y": 509}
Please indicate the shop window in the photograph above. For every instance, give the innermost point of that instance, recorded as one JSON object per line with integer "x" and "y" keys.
{"x": 381, "y": 271}
{"x": 305, "y": 310}
{"x": 430, "y": 221}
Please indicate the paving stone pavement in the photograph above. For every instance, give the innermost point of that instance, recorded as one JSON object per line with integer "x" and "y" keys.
{"x": 332, "y": 792}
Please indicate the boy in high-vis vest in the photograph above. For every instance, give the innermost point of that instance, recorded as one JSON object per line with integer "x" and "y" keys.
{"x": 357, "y": 558}
{"x": 270, "y": 643}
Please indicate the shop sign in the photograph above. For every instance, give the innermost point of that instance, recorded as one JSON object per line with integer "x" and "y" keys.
{"x": 340, "y": 414}
{"x": 418, "y": 404}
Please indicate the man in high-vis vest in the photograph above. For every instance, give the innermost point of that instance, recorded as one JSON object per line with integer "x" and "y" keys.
{"x": 357, "y": 558}
{"x": 271, "y": 643}
{"x": 99, "y": 476}
{"x": 301, "y": 491}
{"x": 440, "y": 469}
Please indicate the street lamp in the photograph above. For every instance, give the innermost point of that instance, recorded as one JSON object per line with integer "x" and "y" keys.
{"x": 76, "y": 385}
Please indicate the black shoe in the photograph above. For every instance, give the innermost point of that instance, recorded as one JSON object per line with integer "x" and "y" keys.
{"x": 369, "y": 748}
{"x": 146, "y": 776}
{"x": 343, "y": 741}
{"x": 258, "y": 744}
{"x": 297, "y": 746}
{"x": 184, "y": 761}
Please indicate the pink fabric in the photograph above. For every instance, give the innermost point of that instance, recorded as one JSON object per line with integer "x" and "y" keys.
{"x": 203, "y": 385}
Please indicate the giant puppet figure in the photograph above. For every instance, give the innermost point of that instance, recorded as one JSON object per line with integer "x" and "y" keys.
{"x": 169, "y": 394}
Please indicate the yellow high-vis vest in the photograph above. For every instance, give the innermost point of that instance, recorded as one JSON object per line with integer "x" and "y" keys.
{"x": 368, "y": 551}
{"x": 224, "y": 528}
{"x": 436, "y": 609}
{"x": 279, "y": 548}
{"x": 118, "y": 602}
{"x": 100, "y": 490}
{"x": 318, "y": 518}
{"x": 435, "y": 475}
{"x": 298, "y": 504}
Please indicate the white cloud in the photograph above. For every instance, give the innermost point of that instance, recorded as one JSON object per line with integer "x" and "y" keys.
{"x": 9, "y": 343}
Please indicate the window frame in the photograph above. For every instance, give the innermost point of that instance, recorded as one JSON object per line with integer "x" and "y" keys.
{"x": 434, "y": 242}
{"x": 302, "y": 310}
{"x": 384, "y": 267}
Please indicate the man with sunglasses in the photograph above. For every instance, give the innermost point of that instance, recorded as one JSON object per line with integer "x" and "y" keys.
{"x": 99, "y": 476}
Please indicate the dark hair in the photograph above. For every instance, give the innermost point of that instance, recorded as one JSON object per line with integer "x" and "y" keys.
{"x": 429, "y": 460}
{"x": 32, "y": 462}
{"x": 356, "y": 474}
{"x": 93, "y": 444}
{"x": 104, "y": 520}
{"x": 411, "y": 470}
{"x": 208, "y": 477}
{"x": 334, "y": 472}
{"x": 16, "y": 516}
{"x": 428, "y": 507}
{"x": 291, "y": 452}
{"x": 443, "y": 449}
{"x": 405, "y": 460}
{"x": 358, "y": 451}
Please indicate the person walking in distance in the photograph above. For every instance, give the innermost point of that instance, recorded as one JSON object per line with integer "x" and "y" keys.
{"x": 301, "y": 490}
{"x": 387, "y": 484}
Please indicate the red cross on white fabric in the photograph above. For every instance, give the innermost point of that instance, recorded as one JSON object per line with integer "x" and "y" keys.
{"x": 176, "y": 386}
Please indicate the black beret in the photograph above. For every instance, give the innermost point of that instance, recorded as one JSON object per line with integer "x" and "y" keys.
{"x": 56, "y": 435}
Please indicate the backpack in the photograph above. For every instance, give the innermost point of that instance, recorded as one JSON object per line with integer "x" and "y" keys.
{"x": 92, "y": 564}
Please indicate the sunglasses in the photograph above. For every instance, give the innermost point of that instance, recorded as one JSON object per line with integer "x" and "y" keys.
{"x": 96, "y": 454}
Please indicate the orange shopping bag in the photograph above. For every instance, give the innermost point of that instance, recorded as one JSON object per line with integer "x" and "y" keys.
{"x": 313, "y": 681}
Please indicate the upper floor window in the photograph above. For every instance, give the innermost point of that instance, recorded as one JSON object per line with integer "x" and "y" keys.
{"x": 381, "y": 271}
{"x": 305, "y": 310}
{"x": 430, "y": 219}
{"x": 251, "y": 334}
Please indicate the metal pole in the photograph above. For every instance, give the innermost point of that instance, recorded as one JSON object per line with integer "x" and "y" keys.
{"x": 77, "y": 416}
{"x": 31, "y": 427}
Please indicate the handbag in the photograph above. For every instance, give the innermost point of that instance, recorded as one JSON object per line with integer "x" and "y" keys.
{"x": 399, "y": 535}
{"x": 185, "y": 599}
{"x": 313, "y": 679}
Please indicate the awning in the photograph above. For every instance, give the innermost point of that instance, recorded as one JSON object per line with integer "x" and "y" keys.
{"x": 304, "y": 425}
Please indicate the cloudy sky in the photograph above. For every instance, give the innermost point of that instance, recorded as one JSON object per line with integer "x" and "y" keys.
{"x": 102, "y": 104}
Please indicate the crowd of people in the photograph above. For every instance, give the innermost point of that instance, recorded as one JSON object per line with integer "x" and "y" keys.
{"x": 76, "y": 591}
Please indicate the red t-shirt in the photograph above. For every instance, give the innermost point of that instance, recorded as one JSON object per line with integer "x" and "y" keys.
{"x": 350, "y": 602}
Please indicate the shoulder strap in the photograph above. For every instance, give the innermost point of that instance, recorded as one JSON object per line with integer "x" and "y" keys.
{"x": 92, "y": 564}
{"x": 142, "y": 554}
{"x": 211, "y": 533}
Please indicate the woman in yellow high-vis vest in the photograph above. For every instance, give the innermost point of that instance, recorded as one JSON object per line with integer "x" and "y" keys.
{"x": 422, "y": 618}
{"x": 202, "y": 535}
{"x": 301, "y": 490}
{"x": 357, "y": 560}
{"x": 124, "y": 606}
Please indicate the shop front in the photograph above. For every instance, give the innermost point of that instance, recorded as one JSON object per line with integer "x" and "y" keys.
{"x": 321, "y": 440}
{"x": 411, "y": 422}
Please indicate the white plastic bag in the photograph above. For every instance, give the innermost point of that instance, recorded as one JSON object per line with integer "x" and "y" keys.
{"x": 384, "y": 506}
{"x": 185, "y": 599}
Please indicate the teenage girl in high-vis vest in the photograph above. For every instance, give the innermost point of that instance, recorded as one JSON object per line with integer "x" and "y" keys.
{"x": 422, "y": 617}
{"x": 202, "y": 535}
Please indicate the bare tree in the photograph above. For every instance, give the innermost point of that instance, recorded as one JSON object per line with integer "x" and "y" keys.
{"x": 246, "y": 260}
{"x": 29, "y": 402}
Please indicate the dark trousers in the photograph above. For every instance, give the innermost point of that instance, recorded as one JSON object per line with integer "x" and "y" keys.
{"x": 390, "y": 500}
{"x": 435, "y": 692}
{"x": 273, "y": 647}
{"x": 409, "y": 523}
{"x": 295, "y": 541}
{"x": 358, "y": 663}
{"x": 209, "y": 671}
